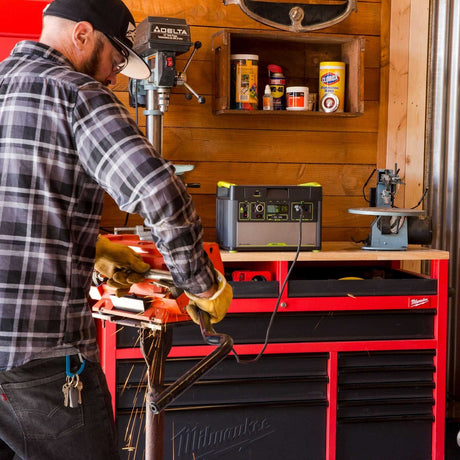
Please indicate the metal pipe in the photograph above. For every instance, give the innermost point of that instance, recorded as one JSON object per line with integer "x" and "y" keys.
{"x": 154, "y": 119}
{"x": 155, "y": 346}
{"x": 173, "y": 391}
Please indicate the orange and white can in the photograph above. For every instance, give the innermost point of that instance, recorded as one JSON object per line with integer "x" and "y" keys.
{"x": 297, "y": 98}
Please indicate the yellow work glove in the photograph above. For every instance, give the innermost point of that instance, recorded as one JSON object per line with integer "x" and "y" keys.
{"x": 120, "y": 264}
{"x": 216, "y": 306}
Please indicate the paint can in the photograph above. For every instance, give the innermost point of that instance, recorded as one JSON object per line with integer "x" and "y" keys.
{"x": 297, "y": 98}
{"x": 331, "y": 86}
{"x": 243, "y": 90}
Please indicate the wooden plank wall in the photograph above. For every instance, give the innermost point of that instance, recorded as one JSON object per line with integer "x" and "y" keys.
{"x": 403, "y": 105}
{"x": 338, "y": 153}
{"x": 407, "y": 88}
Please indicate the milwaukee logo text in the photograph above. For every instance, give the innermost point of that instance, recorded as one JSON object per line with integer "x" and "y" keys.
{"x": 419, "y": 302}
{"x": 202, "y": 440}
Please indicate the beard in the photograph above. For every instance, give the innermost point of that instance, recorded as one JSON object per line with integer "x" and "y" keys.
{"x": 91, "y": 66}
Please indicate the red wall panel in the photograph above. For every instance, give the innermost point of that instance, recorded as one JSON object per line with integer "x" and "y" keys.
{"x": 19, "y": 20}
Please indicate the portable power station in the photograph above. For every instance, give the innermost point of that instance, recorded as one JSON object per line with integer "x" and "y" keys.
{"x": 267, "y": 217}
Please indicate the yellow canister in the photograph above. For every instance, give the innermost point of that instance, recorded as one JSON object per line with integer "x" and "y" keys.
{"x": 243, "y": 93}
{"x": 331, "y": 86}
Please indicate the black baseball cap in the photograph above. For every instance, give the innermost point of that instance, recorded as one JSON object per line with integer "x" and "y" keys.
{"x": 113, "y": 19}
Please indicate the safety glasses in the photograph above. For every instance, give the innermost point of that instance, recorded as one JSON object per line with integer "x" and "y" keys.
{"x": 118, "y": 67}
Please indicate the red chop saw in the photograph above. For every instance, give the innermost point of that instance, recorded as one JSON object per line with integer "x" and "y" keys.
{"x": 154, "y": 306}
{"x": 152, "y": 302}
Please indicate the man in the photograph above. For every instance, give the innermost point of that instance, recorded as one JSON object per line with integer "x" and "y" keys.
{"x": 64, "y": 140}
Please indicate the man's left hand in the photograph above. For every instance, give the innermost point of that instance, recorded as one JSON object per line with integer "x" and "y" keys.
{"x": 216, "y": 305}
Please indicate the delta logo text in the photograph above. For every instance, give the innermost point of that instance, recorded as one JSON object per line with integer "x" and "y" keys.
{"x": 169, "y": 30}
{"x": 330, "y": 78}
{"x": 199, "y": 441}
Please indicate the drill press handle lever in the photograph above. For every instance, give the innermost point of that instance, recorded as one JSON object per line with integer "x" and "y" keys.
{"x": 196, "y": 46}
{"x": 181, "y": 77}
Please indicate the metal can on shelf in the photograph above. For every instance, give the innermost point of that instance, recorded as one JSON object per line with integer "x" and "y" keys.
{"x": 331, "y": 86}
{"x": 244, "y": 73}
{"x": 277, "y": 83}
{"x": 297, "y": 98}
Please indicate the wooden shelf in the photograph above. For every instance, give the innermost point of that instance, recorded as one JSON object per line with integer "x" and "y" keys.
{"x": 299, "y": 55}
{"x": 338, "y": 250}
{"x": 306, "y": 113}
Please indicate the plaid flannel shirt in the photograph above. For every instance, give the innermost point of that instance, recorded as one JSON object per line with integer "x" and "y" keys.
{"x": 64, "y": 139}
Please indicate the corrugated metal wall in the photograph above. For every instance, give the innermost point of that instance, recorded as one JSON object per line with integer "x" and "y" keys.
{"x": 443, "y": 147}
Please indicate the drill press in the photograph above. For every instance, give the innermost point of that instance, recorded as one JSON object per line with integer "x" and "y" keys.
{"x": 159, "y": 41}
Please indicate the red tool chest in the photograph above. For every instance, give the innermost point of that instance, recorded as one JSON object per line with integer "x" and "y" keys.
{"x": 355, "y": 366}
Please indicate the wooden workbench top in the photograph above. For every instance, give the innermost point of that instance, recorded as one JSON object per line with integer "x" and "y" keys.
{"x": 337, "y": 250}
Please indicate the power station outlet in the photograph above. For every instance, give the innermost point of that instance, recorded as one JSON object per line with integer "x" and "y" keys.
{"x": 302, "y": 208}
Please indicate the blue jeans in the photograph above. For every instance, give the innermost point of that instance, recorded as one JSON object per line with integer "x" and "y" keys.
{"x": 35, "y": 425}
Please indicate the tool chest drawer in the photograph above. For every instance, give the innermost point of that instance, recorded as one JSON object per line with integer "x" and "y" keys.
{"x": 279, "y": 378}
{"x": 329, "y": 280}
{"x": 320, "y": 281}
{"x": 308, "y": 327}
{"x": 255, "y": 289}
{"x": 327, "y": 326}
{"x": 259, "y": 281}
{"x": 383, "y": 396}
{"x": 263, "y": 432}
{"x": 372, "y": 388}
{"x": 266, "y": 410}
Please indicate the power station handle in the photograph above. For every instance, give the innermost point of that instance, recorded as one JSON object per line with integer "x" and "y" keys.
{"x": 224, "y": 345}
